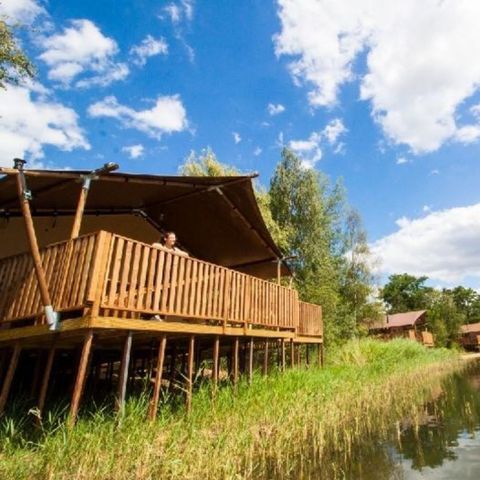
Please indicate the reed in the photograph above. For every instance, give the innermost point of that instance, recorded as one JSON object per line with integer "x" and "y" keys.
{"x": 278, "y": 427}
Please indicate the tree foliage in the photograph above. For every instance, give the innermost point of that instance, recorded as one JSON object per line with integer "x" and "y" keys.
{"x": 404, "y": 293}
{"x": 14, "y": 64}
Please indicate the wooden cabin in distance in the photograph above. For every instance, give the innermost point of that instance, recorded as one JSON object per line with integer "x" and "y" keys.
{"x": 412, "y": 325}
{"x": 470, "y": 336}
{"x": 86, "y": 300}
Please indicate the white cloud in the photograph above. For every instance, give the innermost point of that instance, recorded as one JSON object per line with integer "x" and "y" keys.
{"x": 23, "y": 11}
{"x": 177, "y": 12}
{"x": 402, "y": 161}
{"x": 333, "y": 130}
{"x": 134, "y": 151}
{"x": 82, "y": 49}
{"x": 308, "y": 150}
{"x": 168, "y": 115}
{"x": 435, "y": 172}
{"x": 29, "y": 120}
{"x": 149, "y": 47}
{"x": 236, "y": 137}
{"x": 426, "y": 208}
{"x": 258, "y": 151}
{"x": 415, "y": 51}
{"x": 275, "y": 109}
{"x": 442, "y": 245}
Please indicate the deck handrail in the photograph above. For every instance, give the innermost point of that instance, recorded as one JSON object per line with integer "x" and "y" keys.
{"x": 110, "y": 275}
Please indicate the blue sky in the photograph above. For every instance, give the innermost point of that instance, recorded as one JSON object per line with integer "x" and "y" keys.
{"x": 381, "y": 94}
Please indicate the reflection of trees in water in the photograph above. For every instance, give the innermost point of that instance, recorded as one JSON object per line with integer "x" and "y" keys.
{"x": 432, "y": 441}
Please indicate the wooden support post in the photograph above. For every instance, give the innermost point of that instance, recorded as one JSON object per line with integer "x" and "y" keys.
{"x": 250, "y": 361}
{"x": 321, "y": 355}
{"x": 123, "y": 376}
{"x": 46, "y": 377}
{"x": 292, "y": 354}
{"x": 216, "y": 366}
{"x": 265, "y": 358}
{"x": 236, "y": 344}
{"x": 77, "y": 221}
{"x": 33, "y": 243}
{"x": 299, "y": 356}
{"x": 307, "y": 355}
{"x": 282, "y": 342}
{"x": 7, "y": 383}
{"x": 158, "y": 377}
{"x": 81, "y": 376}
{"x": 191, "y": 353}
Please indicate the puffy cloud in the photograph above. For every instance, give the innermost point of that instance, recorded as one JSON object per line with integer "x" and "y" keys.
{"x": 168, "y": 115}
{"x": 149, "y": 47}
{"x": 29, "y": 120}
{"x": 82, "y": 49}
{"x": 310, "y": 150}
{"x": 177, "y": 12}
{"x": 236, "y": 137}
{"x": 258, "y": 151}
{"x": 415, "y": 51}
{"x": 133, "y": 151}
{"x": 442, "y": 245}
{"x": 402, "y": 161}
{"x": 275, "y": 109}
{"x": 24, "y": 11}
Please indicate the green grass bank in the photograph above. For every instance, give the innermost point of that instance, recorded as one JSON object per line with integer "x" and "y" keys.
{"x": 265, "y": 430}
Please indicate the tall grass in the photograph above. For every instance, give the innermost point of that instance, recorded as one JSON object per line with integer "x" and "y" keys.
{"x": 268, "y": 429}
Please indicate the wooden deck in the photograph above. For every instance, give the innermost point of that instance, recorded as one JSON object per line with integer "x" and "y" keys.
{"x": 119, "y": 297}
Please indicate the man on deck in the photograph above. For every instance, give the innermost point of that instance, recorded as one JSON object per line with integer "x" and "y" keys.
{"x": 169, "y": 240}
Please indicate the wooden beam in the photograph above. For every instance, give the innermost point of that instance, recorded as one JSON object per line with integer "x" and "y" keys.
{"x": 265, "y": 358}
{"x": 77, "y": 220}
{"x": 216, "y": 366}
{"x": 7, "y": 383}
{"x": 282, "y": 344}
{"x": 46, "y": 377}
{"x": 158, "y": 378}
{"x": 191, "y": 353}
{"x": 236, "y": 345}
{"x": 123, "y": 376}
{"x": 81, "y": 376}
{"x": 292, "y": 354}
{"x": 250, "y": 361}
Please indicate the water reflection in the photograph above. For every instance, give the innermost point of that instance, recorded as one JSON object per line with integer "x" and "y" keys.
{"x": 441, "y": 441}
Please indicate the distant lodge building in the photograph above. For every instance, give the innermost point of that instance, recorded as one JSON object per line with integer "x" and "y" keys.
{"x": 412, "y": 325}
{"x": 470, "y": 336}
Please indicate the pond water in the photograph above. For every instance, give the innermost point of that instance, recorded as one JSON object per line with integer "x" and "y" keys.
{"x": 442, "y": 442}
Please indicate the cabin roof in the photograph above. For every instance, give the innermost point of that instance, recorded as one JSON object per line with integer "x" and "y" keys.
{"x": 396, "y": 320}
{"x": 216, "y": 218}
{"x": 470, "y": 328}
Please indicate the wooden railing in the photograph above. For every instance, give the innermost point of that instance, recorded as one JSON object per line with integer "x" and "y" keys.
{"x": 106, "y": 274}
{"x": 68, "y": 269}
{"x": 310, "y": 319}
{"x": 141, "y": 279}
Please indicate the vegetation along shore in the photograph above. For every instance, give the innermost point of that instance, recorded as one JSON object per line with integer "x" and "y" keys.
{"x": 261, "y": 431}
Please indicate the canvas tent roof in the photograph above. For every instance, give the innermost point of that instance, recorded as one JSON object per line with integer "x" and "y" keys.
{"x": 470, "y": 328}
{"x": 216, "y": 218}
{"x": 398, "y": 320}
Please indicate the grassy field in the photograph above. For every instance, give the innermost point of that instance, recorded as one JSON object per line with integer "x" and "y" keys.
{"x": 265, "y": 430}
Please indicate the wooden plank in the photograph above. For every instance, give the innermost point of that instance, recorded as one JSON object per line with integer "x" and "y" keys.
{"x": 188, "y": 285}
{"x": 123, "y": 376}
{"x": 159, "y": 280}
{"x": 98, "y": 278}
{"x": 191, "y": 353}
{"x": 250, "y": 361}
{"x": 143, "y": 277}
{"x": 46, "y": 377}
{"x": 81, "y": 377}
{"x": 166, "y": 280}
{"x": 117, "y": 260}
{"x": 158, "y": 378}
{"x": 193, "y": 289}
{"x": 265, "y": 358}
{"x": 7, "y": 383}
{"x": 173, "y": 284}
{"x": 216, "y": 365}
{"x": 236, "y": 346}
{"x": 81, "y": 294}
{"x": 152, "y": 263}
{"x": 133, "y": 288}
{"x": 198, "y": 290}
{"x": 180, "y": 285}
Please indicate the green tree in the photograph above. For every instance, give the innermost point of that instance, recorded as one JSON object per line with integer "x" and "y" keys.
{"x": 300, "y": 205}
{"x": 14, "y": 64}
{"x": 404, "y": 293}
{"x": 444, "y": 318}
{"x": 467, "y": 302}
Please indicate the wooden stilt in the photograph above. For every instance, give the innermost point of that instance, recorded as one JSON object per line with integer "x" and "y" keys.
{"x": 236, "y": 346}
{"x": 216, "y": 351}
{"x": 307, "y": 355}
{"x": 123, "y": 376}
{"x": 321, "y": 355}
{"x": 191, "y": 353}
{"x": 158, "y": 378}
{"x": 299, "y": 356}
{"x": 250, "y": 361}
{"x": 7, "y": 383}
{"x": 81, "y": 376}
{"x": 265, "y": 358}
{"x": 282, "y": 341}
{"x": 292, "y": 354}
{"x": 46, "y": 377}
